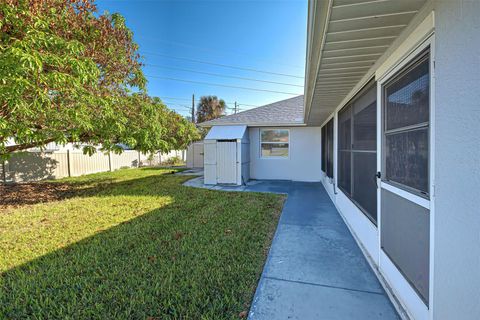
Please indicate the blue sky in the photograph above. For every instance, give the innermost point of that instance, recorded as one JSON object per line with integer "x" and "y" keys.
{"x": 261, "y": 35}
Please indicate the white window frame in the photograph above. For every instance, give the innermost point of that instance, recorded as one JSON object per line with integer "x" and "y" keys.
{"x": 273, "y": 142}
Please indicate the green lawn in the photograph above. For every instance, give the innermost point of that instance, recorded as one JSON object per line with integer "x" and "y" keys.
{"x": 134, "y": 244}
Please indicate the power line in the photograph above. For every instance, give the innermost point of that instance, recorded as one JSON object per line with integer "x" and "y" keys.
{"x": 216, "y": 51}
{"x": 176, "y": 104}
{"x": 224, "y": 76}
{"x": 186, "y": 99}
{"x": 176, "y": 98}
{"x": 224, "y": 65}
{"x": 224, "y": 85}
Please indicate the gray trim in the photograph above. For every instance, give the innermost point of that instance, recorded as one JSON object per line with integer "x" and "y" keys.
{"x": 405, "y": 239}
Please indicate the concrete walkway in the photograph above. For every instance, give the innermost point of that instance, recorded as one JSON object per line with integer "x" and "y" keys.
{"x": 315, "y": 269}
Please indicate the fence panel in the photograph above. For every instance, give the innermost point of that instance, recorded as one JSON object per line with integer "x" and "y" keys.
{"x": 36, "y": 165}
{"x": 33, "y": 166}
{"x": 128, "y": 158}
{"x": 81, "y": 164}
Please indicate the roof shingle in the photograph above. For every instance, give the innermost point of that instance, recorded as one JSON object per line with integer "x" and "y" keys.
{"x": 285, "y": 112}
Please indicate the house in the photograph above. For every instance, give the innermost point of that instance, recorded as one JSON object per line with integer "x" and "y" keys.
{"x": 277, "y": 144}
{"x": 389, "y": 123}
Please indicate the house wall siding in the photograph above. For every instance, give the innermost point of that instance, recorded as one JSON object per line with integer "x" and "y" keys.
{"x": 456, "y": 289}
{"x": 303, "y": 163}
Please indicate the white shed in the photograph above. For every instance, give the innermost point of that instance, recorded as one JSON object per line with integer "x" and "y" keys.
{"x": 227, "y": 155}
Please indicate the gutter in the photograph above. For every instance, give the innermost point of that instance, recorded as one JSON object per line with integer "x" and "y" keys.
{"x": 253, "y": 124}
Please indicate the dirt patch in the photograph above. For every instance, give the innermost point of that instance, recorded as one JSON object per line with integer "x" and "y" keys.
{"x": 16, "y": 195}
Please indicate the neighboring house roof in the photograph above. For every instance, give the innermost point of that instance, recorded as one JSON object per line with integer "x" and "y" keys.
{"x": 226, "y": 132}
{"x": 285, "y": 112}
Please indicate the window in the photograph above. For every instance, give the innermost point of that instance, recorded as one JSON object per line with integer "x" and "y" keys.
{"x": 324, "y": 148}
{"x": 274, "y": 143}
{"x": 327, "y": 148}
{"x": 406, "y": 128}
{"x": 357, "y": 151}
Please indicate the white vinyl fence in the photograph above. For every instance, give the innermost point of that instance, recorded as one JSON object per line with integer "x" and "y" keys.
{"x": 34, "y": 166}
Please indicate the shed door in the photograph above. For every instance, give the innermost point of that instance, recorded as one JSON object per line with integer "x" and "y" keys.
{"x": 226, "y": 161}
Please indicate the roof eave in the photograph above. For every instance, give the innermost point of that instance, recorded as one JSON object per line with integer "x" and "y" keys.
{"x": 254, "y": 124}
{"x": 318, "y": 17}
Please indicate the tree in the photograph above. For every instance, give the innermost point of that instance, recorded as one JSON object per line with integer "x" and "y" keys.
{"x": 67, "y": 74}
{"x": 151, "y": 126}
{"x": 209, "y": 108}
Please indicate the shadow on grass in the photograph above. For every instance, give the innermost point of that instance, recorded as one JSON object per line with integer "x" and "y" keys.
{"x": 20, "y": 194}
{"x": 197, "y": 257}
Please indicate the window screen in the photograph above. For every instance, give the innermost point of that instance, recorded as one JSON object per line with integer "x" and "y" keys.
{"x": 357, "y": 154}
{"x": 274, "y": 143}
{"x": 324, "y": 148}
{"x": 330, "y": 148}
{"x": 406, "y": 144}
{"x": 345, "y": 149}
{"x": 327, "y": 148}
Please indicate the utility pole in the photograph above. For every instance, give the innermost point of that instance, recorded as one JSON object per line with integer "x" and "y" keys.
{"x": 193, "y": 108}
{"x": 235, "y": 106}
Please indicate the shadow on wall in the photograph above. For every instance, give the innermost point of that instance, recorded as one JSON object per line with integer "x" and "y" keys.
{"x": 31, "y": 166}
{"x": 135, "y": 163}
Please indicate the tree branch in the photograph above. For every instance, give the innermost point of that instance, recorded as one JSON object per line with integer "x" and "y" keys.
{"x": 24, "y": 146}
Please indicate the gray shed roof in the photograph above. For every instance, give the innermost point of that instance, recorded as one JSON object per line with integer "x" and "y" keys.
{"x": 226, "y": 132}
{"x": 285, "y": 112}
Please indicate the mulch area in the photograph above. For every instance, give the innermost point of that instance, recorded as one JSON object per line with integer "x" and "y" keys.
{"x": 15, "y": 195}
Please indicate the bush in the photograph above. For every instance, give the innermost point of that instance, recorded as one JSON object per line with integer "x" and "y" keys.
{"x": 173, "y": 161}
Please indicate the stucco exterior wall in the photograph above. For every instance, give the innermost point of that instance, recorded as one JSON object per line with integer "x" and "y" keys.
{"x": 303, "y": 163}
{"x": 456, "y": 290}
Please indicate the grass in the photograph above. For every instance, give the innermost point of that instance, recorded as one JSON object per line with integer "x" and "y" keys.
{"x": 134, "y": 244}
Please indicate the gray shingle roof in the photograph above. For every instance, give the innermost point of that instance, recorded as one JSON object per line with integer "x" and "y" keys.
{"x": 285, "y": 112}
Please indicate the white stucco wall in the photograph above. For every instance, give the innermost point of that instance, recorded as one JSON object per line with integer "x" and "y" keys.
{"x": 456, "y": 289}
{"x": 303, "y": 163}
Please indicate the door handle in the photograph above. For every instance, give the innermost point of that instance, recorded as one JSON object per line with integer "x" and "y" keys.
{"x": 378, "y": 175}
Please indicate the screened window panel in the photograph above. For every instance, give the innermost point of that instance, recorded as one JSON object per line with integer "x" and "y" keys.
{"x": 274, "y": 149}
{"x": 345, "y": 171}
{"x": 345, "y": 129}
{"x": 357, "y": 161}
{"x": 364, "y": 186}
{"x": 406, "y": 158}
{"x": 365, "y": 127}
{"x": 330, "y": 149}
{"x": 275, "y": 135}
{"x": 324, "y": 149}
{"x": 407, "y": 98}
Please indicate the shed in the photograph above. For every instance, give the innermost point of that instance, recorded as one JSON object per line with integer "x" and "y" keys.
{"x": 227, "y": 155}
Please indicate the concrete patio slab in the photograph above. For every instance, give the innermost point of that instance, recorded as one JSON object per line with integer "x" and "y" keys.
{"x": 321, "y": 255}
{"x": 315, "y": 269}
{"x": 279, "y": 299}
